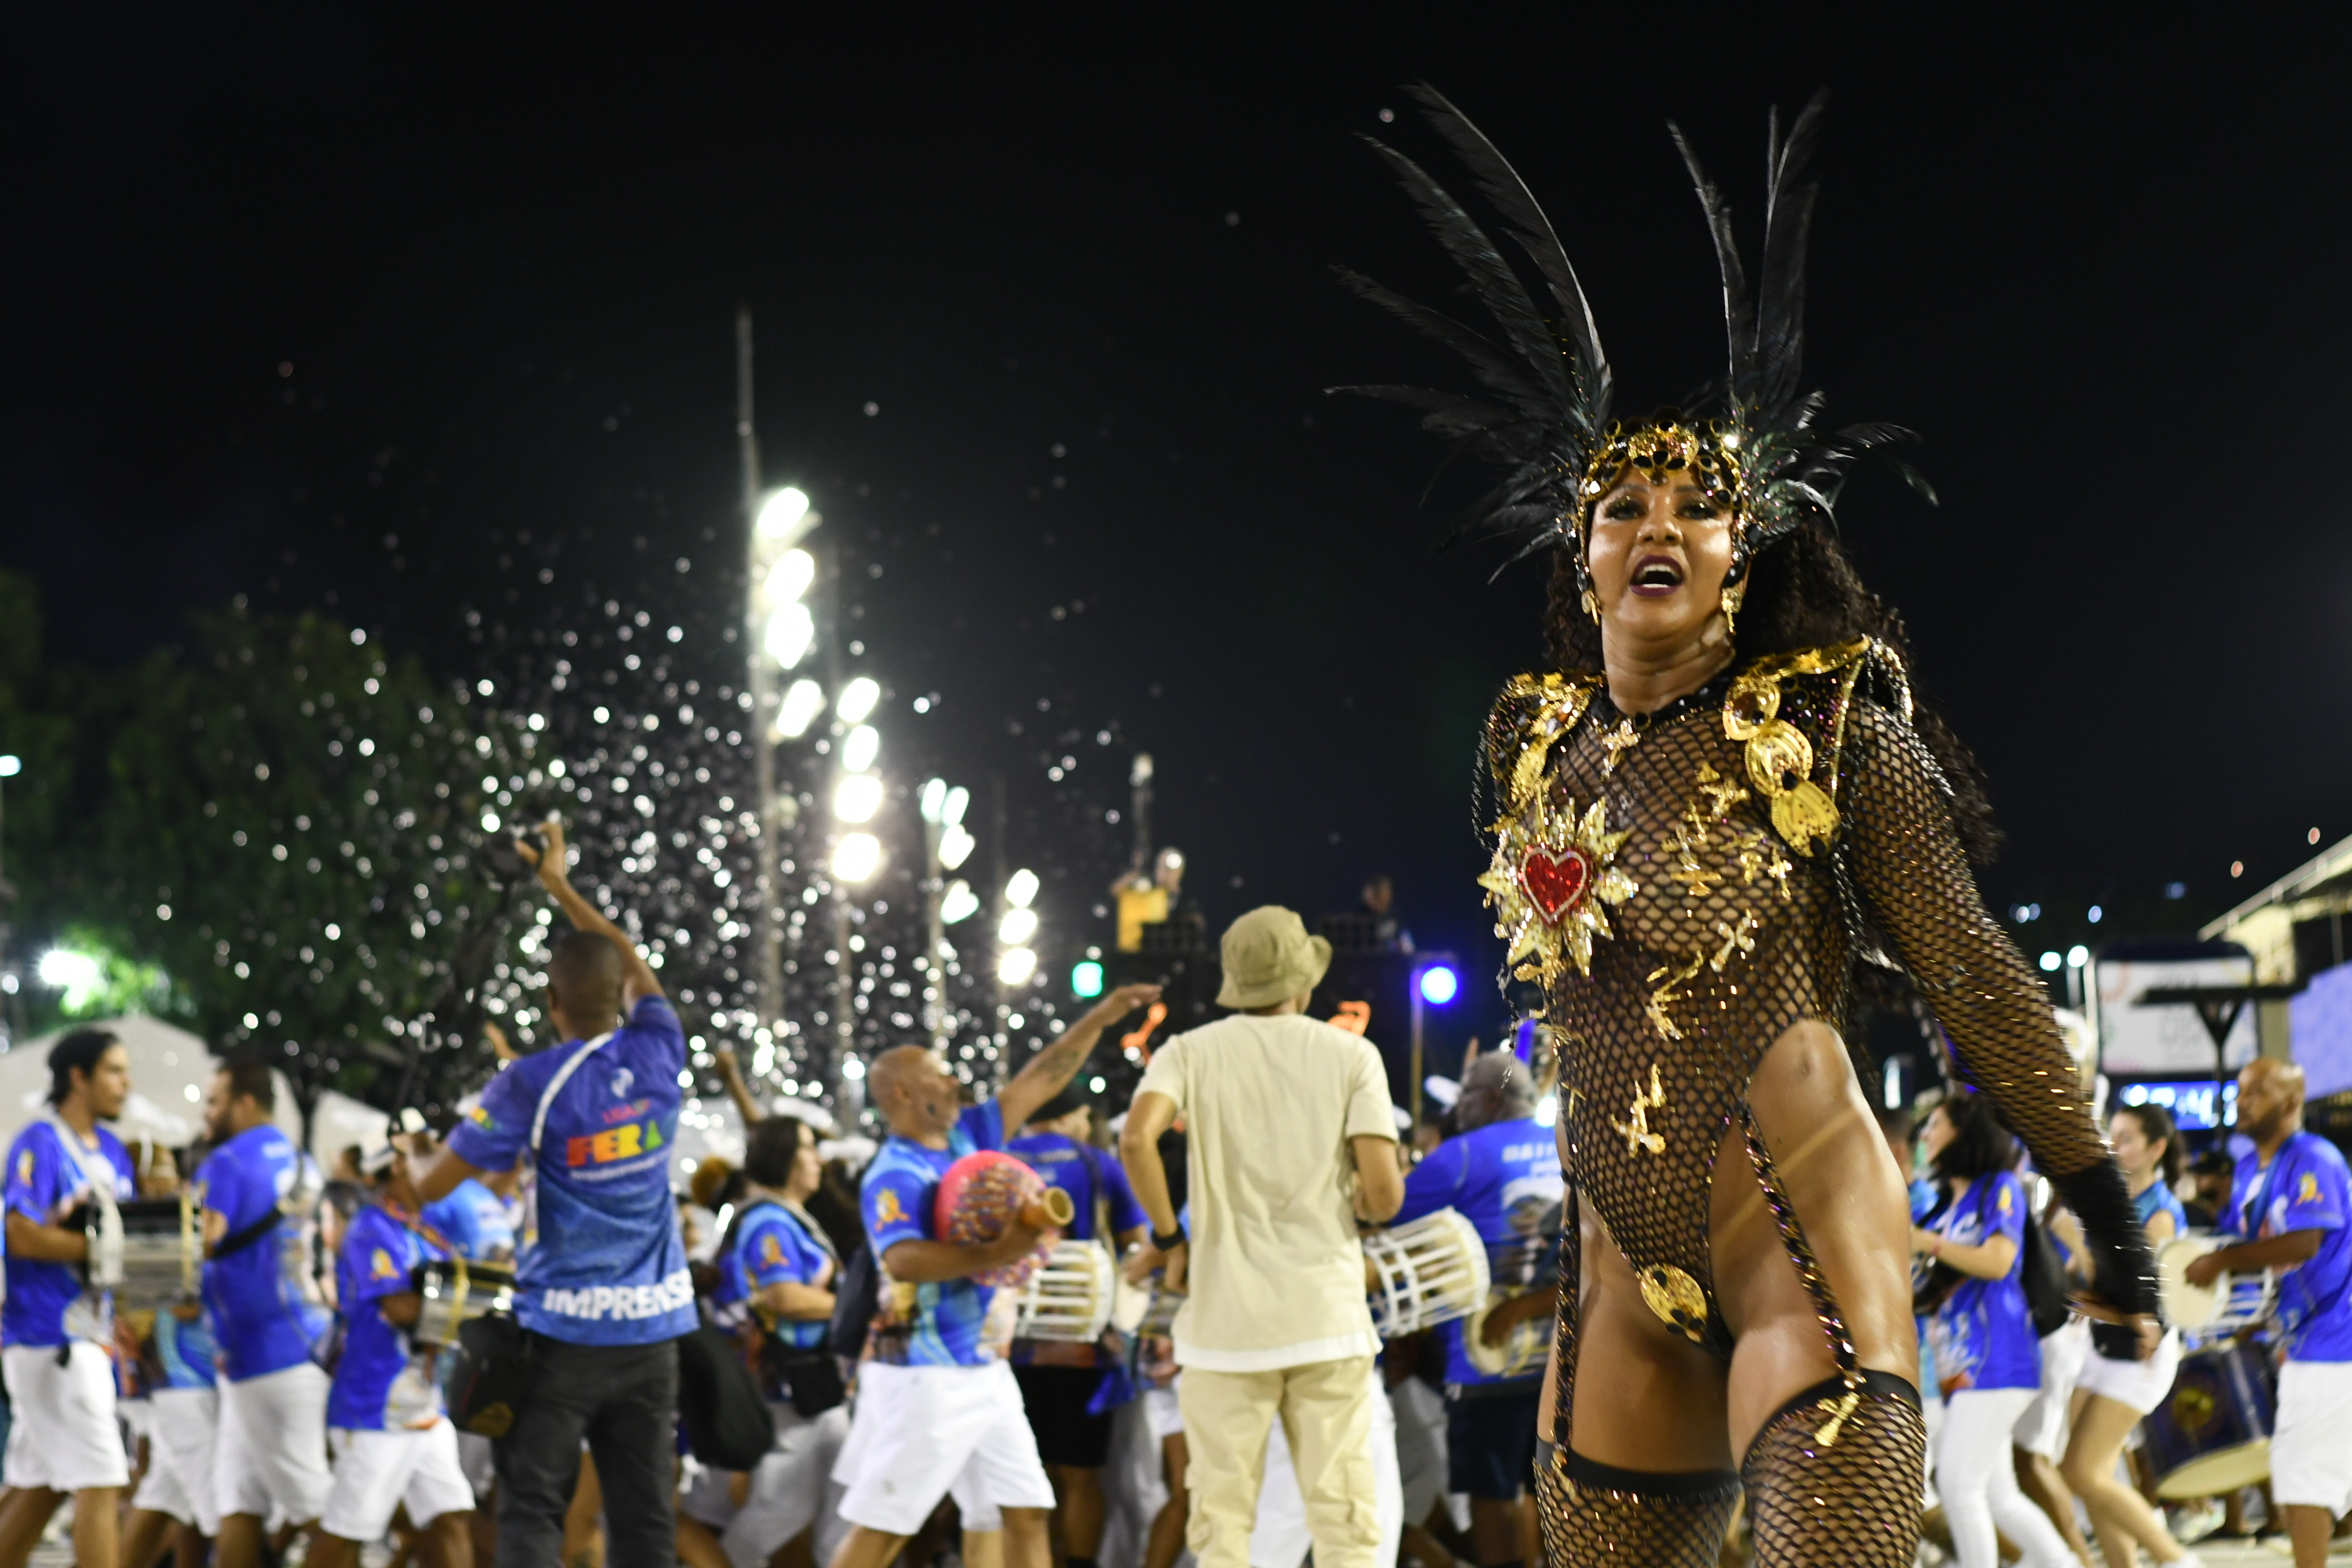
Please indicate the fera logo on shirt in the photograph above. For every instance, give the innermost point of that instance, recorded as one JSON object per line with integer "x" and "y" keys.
{"x": 885, "y": 1208}
{"x": 2307, "y": 1190}
{"x": 381, "y": 1267}
{"x": 25, "y": 1167}
{"x": 772, "y": 1250}
{"x": 624, "y": 1143}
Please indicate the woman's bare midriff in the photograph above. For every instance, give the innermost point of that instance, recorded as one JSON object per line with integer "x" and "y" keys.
{"x": 1649, "y": 1399}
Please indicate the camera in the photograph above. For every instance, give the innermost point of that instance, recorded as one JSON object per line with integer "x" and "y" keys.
{"x": 506, "y": 865}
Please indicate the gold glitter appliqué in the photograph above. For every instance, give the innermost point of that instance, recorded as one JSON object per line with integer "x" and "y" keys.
{"x": 1552, "y": 873}
{"x": 1636, "y": 1133}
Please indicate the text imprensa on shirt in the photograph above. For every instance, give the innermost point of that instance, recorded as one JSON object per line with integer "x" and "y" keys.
{"x": 1503, "y": 1178}
{"x": 1983, "y": 1333}
{"x": 602, "y": 1261}
{"x": 44, "y": 1184}
{"x": 944, "y": 1322}
{"x": 262, "y": 1313}
{"x": 1276, "y": 1273}
{"x": 2305, "y": 1188}
{"x": 1073, "y": 1166}
{"x": 384, "y": 1383}
{"x": 773, "y": 1247}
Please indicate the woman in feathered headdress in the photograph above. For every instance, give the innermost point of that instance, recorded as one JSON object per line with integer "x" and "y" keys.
{"x": 1717, "y": 810}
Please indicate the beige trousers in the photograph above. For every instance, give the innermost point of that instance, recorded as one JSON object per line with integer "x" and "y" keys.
{"x": 1326, "y": 1410}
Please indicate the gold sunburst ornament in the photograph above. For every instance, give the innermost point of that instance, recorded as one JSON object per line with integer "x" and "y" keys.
{"x": 1552, "y": 873}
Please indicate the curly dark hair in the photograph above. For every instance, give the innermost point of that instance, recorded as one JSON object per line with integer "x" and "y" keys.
{"x": 1802, "y": 592}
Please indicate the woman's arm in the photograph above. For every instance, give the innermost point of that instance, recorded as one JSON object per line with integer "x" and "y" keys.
{"x": 1980, "y": 1260}
{"x": 790, "y": 1298}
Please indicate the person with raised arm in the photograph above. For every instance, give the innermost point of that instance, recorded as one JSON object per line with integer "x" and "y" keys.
{"x": 938, "y": 1411}
{"x": 601, "y": 1287}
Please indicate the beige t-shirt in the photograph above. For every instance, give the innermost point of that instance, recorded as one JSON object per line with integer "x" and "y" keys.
{"x": 1276, "y": 1273}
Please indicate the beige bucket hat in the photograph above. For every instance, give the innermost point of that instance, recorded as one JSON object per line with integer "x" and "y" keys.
{"x": 1269, "y": 958}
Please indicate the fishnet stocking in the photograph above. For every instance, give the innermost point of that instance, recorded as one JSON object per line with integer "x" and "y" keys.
{"x": 1850, "y": 1503}
{"x": 1591, "y": 1527}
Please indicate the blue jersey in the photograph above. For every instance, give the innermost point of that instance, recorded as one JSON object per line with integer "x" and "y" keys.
{"x": 382, "y": 1382}
{"x": 1503, "y": 1178}
{"x": 2156, "y": 1198}
{"x": 1983, "y": 1333}
{"x": 1073, "y": 1166}
{"x": 2304, "y": 1189}
{"x": 473, "y": 1220}
{"x": 602, "y": 1261}
{"x": 262, "y": 1313}
{"x": 939, "y": 1323}
{"x": 773, "y": 1247}
{"x": 187, "y": 1350}
{"x": 46, "y": 1183}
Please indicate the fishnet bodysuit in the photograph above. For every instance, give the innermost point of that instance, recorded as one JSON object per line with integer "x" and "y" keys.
{"x": 1732, "y": 934}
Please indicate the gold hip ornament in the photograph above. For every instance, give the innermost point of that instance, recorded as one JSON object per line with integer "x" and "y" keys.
{"x": 1676, "y": 1300}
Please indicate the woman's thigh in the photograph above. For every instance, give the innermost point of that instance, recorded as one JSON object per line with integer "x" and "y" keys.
{"x": 1855, "y": 1214}
{"x": 1645, "y": 1398}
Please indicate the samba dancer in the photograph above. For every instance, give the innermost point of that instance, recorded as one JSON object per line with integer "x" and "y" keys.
{"x": 602, "y": 1288}
{"x": 1717, "y": 798}
{"x": 272, "y": 1453}
{"x": 2289, "y": 1206}
{"x": 62, "y": 1439}
{"x": 1501, "y": 1174}
{"x": 394, "y": 1445}
{"x": 938, "y": 1409}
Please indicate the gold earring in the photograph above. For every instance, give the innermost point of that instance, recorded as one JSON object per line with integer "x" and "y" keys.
{"x": 1733, "y": 597}
{"x": 1592, "y": 606}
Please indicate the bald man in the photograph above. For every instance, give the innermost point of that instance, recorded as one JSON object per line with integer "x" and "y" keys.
{"x": 2288, "y": 1204}
{"x": 938, "y": 1409}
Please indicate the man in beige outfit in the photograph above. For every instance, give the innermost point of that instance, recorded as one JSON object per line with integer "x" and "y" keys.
{"x": 1291, "y": 1140}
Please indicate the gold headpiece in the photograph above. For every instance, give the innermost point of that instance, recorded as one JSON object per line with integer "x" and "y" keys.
{"x": 1665, "y": 449}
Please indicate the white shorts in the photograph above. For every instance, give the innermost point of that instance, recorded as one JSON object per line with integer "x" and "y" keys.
{"x": 2042, "y": 1429}
{"x": 62, "y": 1434}
{"x": 377, "y": 1472}
{"x": 478, "y": 1457}
{"x": 1282, "y": 1539}
{"x": 923, "y": 1432}
{"x": 2140, "y": 1384}
{"x": 183, "y": 1426}
{"x": 273, "y": 1444}
{"x": 1161, "y": 1414}
{"x": 787, "y": 1489}
{"x": 2311, "y": 1440}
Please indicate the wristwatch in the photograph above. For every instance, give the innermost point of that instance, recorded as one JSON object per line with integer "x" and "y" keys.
{"x": 1168, "y": 1243}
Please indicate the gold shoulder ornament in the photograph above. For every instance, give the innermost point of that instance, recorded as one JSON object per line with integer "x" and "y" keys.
{"x": 1553, "y": 704}
{"x": 1780, "y": 760}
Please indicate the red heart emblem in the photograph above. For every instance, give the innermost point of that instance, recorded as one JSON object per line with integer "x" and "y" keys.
{"x": 1555, "y": 882}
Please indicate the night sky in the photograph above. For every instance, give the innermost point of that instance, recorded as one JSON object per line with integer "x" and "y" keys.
{"x": 331, "y": 308}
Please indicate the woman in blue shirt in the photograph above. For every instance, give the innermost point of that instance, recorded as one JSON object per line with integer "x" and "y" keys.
{"x": 1988, "y": 1362}
{"x": 2115, "y": 1390}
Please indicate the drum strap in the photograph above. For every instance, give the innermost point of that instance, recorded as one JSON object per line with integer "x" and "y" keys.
{"x": 104, "y": 1266}
{"x": 555, "y": 1085}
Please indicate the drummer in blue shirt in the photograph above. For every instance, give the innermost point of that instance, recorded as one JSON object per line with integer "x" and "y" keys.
{"x": 1987, "y": 1359}
{"x": 1501, "y": 1173}
{"x": 601, "y": 1287}
{"x": 395, "y": 1446}
{"x": 2289, "y": 1202}
{"x": 60, "y": 1382}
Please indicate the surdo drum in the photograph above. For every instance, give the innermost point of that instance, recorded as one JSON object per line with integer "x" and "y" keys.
{"x": 455, "y": 1292}
{"x": 146, "y": 1251}
{"x": 1426, "y": 1273}
{"x": 2213, "y": 1434}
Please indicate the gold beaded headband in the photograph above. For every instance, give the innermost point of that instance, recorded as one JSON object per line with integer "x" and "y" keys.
{"x": 1665, "y": 449}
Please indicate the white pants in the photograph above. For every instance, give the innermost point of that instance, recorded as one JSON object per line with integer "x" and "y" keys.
{"x": 62, "y": 1435}
{"x": 2042, "y": 1429}
{"x": 2311, "y": 1441}
{"x": 1979, "y": 1481}
{"x": 1282, "y": 1539}
{"x": 920, "y": 1433}
{"x": 787, "y": 1489}
{"x": 183, "y": 1428}
{"x": 1419, "y": 1412}
{"x": 273, "y": 1444}
{"x": 376, "y": 1472}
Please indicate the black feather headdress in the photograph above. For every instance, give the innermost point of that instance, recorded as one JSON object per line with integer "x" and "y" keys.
{"x": 1543, "y": 414}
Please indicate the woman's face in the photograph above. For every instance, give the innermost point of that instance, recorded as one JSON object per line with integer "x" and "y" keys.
{"x": 808, "y": 1170}
{"x": 2134, "y": 1153}
{"x": 1936, "y": 1135}
{"x": 1658, "y": 555}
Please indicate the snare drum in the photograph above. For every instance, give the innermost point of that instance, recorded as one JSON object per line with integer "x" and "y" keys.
{"x": 1069, "y": 1298}
{"x": 1429, "y": 1272}
{"x": 2212, "y": 1433}
{"x": 150, "y": 1256}
{"x": 455, "y": 1292}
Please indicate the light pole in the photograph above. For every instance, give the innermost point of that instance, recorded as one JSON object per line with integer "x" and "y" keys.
{"x": 946, "y": 846}
{"x": 10, "y": 767}
{"x": 1435, "y": 985}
